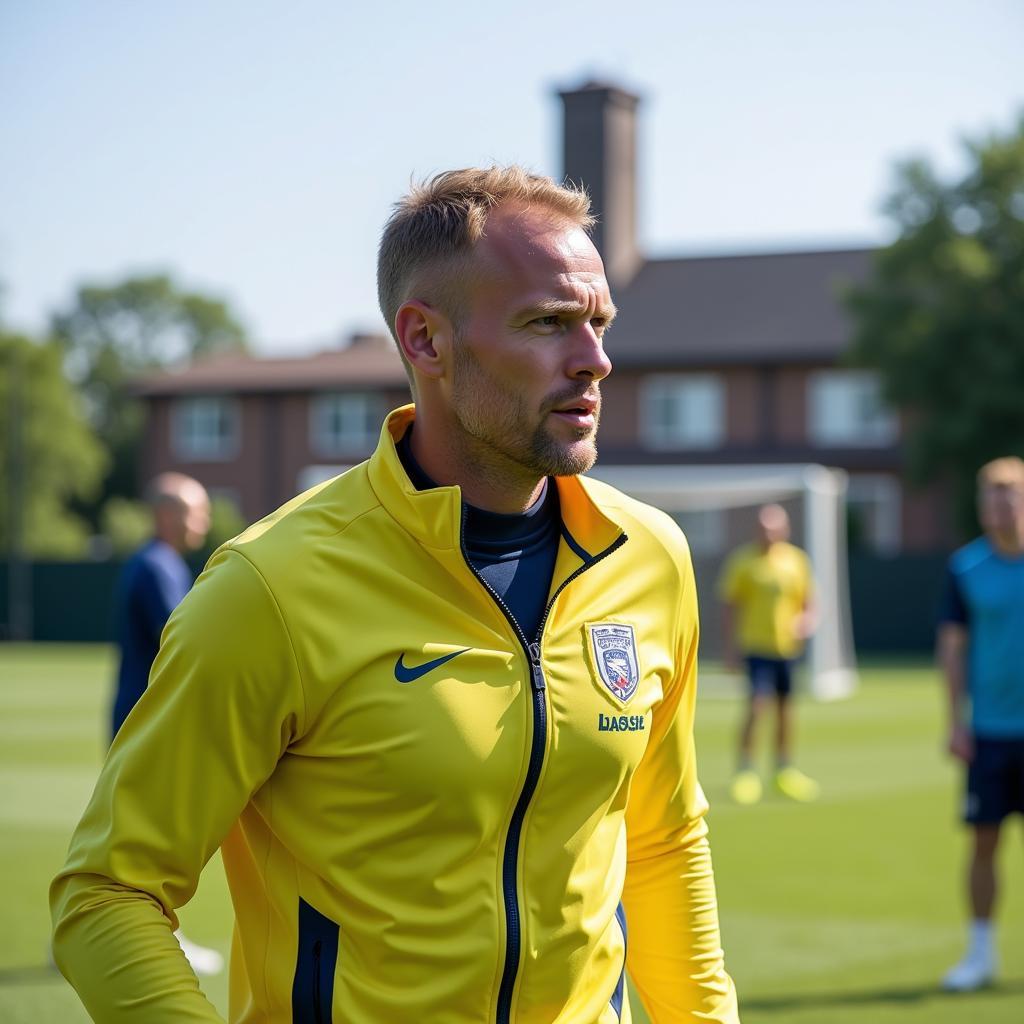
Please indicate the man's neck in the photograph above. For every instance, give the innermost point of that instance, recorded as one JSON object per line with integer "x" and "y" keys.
{"x": 1008, "y": 542}
{"x": 509, "y": 489}
{"x": 169, "y": 541}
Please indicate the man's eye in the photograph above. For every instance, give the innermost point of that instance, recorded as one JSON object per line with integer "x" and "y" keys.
{"x": 548, "y": 321}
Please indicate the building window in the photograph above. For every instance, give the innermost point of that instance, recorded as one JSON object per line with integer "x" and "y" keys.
{"x": 346, "y": 423}
{"x": 846, "y": 410}
{"x": 206, "y": 429}
{"x": 683, "y": 411}
{"x": 874, "y": 513}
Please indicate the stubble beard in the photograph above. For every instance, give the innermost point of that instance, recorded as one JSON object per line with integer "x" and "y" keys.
{"x": 494, "y": 424}
{"x": 550, "y": 457}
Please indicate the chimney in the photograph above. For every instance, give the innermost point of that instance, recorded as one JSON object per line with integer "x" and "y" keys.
{"x": 599, "y": 152}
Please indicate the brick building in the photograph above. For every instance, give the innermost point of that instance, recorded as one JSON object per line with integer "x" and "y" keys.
{"x": 718, "y": 360}
{"x": 257, "y": 431}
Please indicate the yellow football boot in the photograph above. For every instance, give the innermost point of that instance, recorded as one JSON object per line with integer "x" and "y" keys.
{"x": 746, "y": 787}
{"x": 792, "y": 782}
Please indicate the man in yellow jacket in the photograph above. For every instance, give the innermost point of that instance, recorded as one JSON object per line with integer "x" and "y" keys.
{"x": 768, "y": 592}
{"x": 438, "y": 711}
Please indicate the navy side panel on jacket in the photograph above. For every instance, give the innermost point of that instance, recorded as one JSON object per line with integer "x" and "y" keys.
{"x": 313, "y": 987}
{"x": 620, "y": 987}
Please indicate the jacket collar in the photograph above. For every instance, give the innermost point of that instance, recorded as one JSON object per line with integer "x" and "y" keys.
{"x": 434, "y": 517}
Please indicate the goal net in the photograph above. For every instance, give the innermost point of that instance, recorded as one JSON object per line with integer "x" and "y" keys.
{"x": 717, "y": 508}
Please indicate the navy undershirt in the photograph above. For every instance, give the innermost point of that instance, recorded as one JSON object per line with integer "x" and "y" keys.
{"x": 515, "y": 554}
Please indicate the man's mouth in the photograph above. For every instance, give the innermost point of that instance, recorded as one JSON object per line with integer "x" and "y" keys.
{"x": 580, "y": 412}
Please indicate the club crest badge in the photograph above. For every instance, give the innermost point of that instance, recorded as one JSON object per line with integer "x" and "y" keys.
{"x": 613, "y": 647}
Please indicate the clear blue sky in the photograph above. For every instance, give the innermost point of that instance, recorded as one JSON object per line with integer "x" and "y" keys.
{"x": 254, "y": 149}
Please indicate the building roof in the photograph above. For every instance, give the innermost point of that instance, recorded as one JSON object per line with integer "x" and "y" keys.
{"x": 770, "y": 308}
{"x": 695, "y": 311}
{"x": 368, "y": 362}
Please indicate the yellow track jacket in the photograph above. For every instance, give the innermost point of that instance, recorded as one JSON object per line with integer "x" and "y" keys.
{"x": 425, "y": 817}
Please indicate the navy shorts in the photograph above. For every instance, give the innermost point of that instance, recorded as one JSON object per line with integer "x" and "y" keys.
{"x": 770, "y": 675}
{"x": 995, "y": 780}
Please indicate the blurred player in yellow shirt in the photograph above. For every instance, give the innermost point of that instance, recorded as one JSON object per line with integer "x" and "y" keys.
{"x": 768, "y": 591}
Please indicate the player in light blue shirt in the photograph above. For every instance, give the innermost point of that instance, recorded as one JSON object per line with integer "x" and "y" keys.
{"x": 981, "y": 650}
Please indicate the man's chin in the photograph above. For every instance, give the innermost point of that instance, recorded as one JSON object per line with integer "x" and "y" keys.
{"x": 573, "y": 459}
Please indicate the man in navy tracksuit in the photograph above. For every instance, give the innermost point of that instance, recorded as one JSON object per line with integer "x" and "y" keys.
{"x": 154, "y": 580}
{"x": 152, "y": 584}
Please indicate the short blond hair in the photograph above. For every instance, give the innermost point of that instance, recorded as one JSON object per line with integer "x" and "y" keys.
{"x": 434, "y": 228}
{"x": 1007, "y": 471}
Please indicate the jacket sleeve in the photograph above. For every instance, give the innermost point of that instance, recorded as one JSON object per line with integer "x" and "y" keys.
{"x": 674, "y": 950}
{"x": 225, "y": 700}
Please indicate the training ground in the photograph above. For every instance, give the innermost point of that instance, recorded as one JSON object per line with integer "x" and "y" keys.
{"x": 844, "y": 911}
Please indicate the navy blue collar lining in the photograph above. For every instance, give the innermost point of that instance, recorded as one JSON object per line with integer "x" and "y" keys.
{"x": 496, "y": 533}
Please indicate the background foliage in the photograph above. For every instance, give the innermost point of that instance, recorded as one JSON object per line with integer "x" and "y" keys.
{"x": 111, "y": 334}
{"x": 71, "y": 428}
{"x": 943, "y": 316}
{"x": 49, "y": 454}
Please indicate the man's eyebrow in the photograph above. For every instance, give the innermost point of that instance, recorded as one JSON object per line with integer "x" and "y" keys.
{"x": 553, "y": 307}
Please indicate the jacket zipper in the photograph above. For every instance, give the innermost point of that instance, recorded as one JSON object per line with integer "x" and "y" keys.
{"x": 510, "y": 856}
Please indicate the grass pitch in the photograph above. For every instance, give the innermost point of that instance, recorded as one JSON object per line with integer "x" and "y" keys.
{"x": 844, "y": 911}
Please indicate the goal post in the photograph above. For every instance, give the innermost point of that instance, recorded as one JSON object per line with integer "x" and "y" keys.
{"x": 814, "y": 495}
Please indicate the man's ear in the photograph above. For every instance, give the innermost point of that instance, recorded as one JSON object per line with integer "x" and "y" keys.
{"x": 425, "y": 335}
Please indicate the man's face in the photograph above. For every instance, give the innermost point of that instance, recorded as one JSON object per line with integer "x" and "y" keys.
{"x": 1001, "y": 507}
{"x": 528, "y": 353}
{"x": 772, "y": 525}
{"x": 187, "y": 519}
{"x": 196, "y": 521}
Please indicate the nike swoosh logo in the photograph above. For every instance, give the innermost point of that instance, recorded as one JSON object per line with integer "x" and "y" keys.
{"x": 410, "y": 673}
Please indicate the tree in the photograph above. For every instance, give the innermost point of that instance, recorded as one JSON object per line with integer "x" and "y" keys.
{"x": 111, "y": 334}
{"x": 48, "y": 452}
{"x": 942, "y": 317}
{"x": 125, "y": 524}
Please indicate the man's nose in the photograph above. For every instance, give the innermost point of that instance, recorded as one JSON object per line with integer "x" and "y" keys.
{"x": 587, "y": 357}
